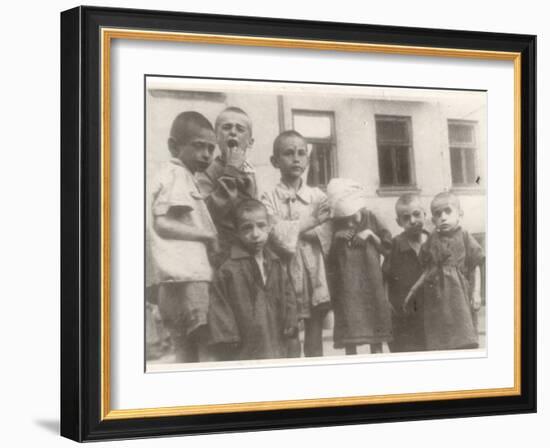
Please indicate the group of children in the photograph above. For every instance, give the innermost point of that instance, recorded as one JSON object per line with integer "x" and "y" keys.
{"x": 239, "y": 272}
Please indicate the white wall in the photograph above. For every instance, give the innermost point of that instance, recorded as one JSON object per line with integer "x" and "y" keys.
{"x": 356, "y": 151}
{"x": 30, "y": 191}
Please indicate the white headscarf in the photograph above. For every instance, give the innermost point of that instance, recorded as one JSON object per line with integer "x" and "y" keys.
{"x": 345, "y": 197}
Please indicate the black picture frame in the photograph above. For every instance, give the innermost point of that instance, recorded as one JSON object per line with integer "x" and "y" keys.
{"x": 81, "y": 225}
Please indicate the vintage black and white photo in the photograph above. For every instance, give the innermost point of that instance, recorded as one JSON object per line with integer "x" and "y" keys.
{"x": 293, "y": 221}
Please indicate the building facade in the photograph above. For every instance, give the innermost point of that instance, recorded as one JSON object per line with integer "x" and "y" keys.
{"x": 391, "y": 140}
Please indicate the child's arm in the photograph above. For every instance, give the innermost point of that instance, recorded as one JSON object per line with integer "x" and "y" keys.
{"x": 364, "y": 235}
{"x": 322, "y": 230}
{"x": 284, "y": 233}
{"x": 476, "y": 289}
{"x": 414, "y": 289}
{"x": 475, "y": 257}
{"x": 387, "y": 273}
{"x": 289, "y": 312}
{"x": 377, "y": 233}
{"x": 387, "y": 294}
{"x": 309, "y": 223}
{"x": 222, "y": 327}
{"x": 169, "y": 226}
{"x": 221, "y": 183}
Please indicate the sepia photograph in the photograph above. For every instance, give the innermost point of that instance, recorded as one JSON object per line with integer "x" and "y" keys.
{"x": 301, "y": 221}
{"x": 275, "y": 224}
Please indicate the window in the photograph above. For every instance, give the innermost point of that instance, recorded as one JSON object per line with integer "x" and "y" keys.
{"x": 462, "y": 147}
{"x": 394, "y": 141}
{"x": 318, "y": 130}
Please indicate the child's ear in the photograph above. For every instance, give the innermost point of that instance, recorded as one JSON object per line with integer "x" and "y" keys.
{"x": 398, "y": 222}
{"x": 274, "y": 162}
{"x": 172, "y": 146}
{"x": 460, "y": 213}
{"x": 433, "y": 220}
{"x": 251, "y": 142}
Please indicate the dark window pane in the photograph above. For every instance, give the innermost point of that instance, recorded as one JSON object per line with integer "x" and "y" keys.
{"x": 385, "y": 161}
{"x": 402, "y": 165}
{"x": 321, "y": 157}
{"x": 393, "y": 130}
{"x": 456, "y": 166}
{"x": 324, "y": 161}
{"x": 320, "y": 170}
{"x": 313, "y": 173}
{"x": 461, "y": 133}
{"x": 469, "y": 159}
{"x": 394, "y": 150}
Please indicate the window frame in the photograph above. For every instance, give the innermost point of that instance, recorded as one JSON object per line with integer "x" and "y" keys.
{"x": 396, "y": 189}
{"x": 317, "y": 140}
{"x": 462, "y": 146}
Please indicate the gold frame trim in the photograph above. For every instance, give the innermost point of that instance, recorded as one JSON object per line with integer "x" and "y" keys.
{"x": 107, "y": 35}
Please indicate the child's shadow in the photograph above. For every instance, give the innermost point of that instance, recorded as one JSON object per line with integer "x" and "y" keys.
{"x": 49, "y": 425}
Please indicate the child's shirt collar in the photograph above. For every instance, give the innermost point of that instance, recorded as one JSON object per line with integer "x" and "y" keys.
{"x": 286, "y": 193}
{"x": 178, "y": 162}
{"x": 403, "y": 242}
{"x": 247, "y": 168}
{"x": 238, "y": 253}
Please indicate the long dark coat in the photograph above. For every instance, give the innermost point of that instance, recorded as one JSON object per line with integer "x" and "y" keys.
{"x": 450, "y": 259}
{"x": 361, "y": 310}
{"x": 247, "y": 317}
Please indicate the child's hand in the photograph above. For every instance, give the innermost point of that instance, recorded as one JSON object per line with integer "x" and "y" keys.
{"x": 476, "y": 301}
{"x": 211, "y": 240}
{"x": 235, "y": 157}
{"x": 214, "y": 246}
{"x": 229, "y": 187}
{"x": 363, "y": 236}
{"x": 323, "y": 213}
{"x": 310, "y": 236}
{"x": 344, "y": 234}
{"x": 291, "y": 332}
{"x": 209, "y": 236}
{"x": 392, "y": 308}
{"x": 406, "y": 303}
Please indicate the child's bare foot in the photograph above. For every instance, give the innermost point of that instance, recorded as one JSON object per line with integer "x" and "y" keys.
{"x": 376, "y": 348}
{"x": 351, "y": 350}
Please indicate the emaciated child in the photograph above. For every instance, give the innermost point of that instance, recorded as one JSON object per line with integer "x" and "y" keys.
{"x": 180, "y": 235}
{"x": 451, "y": 279}
{"x": 253, "y": 309}
{"x": 402, "y": 268}
{"x": 302, "y": 233}
{"x": 361, "y": 309}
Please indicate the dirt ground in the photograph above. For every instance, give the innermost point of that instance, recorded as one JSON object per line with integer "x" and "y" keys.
{"x": 328, "y": 349}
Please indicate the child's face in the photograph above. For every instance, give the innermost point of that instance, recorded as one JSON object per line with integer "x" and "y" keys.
{"x": 197, "y": 151}
{"x": 233, "y": 131}
{"x": 445, "y": 215}
{"x": 411, "y": 218}
{"x": 353, "y": 221}
{"x": 291, "y": 158}
{"x": 253, "y": 229}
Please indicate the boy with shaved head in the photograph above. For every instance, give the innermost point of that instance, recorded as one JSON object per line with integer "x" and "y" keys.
{"x": 302, "y": 232}
{"x": 402, "y": 268}
{"x": 230, "y": 178}
{"x": 180, "y": 235}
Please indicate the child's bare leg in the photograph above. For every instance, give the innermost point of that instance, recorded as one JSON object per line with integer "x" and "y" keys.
{"x": 208, "y": 353}
{"x": 294, "y": 348}
{"x": 205, "y": 351}
{"x": 185, "y": 349}
{"x": 170, "y": 299}
{"x": 313, "y": 337}
{"x": 351, "y": 349}
{"x": 376, "y": 348}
